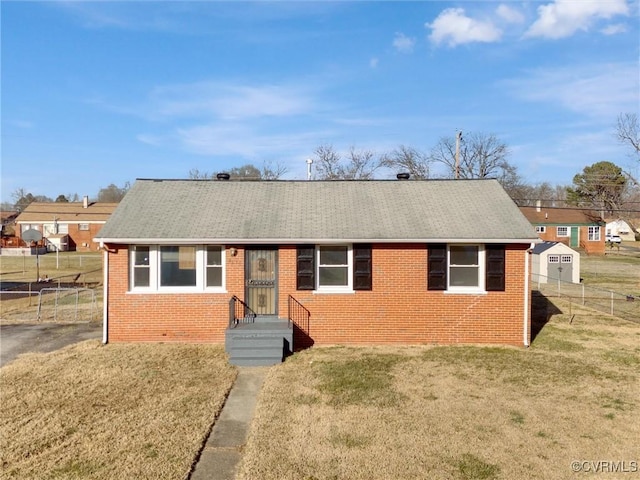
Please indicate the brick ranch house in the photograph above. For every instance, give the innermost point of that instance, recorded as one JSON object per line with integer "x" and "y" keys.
{"x": 66, "y": 225}
{"x": 335, "y": 262}
{"x": 575, "y": 227}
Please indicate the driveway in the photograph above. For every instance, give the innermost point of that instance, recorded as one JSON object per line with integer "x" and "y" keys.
{"x": 43, "y": 337}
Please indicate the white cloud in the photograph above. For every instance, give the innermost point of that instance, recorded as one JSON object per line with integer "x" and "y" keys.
{"x": 563, "y": 18}
{"x": 229, "y": 101}
{"x": 614, "y": 29}
{"x": 455, "y": 28}
{"x": 596, "y": 90}
{"x": 403, "y": 44}
{"x": 373, "y": 62}
{"x": 509, "y": 14}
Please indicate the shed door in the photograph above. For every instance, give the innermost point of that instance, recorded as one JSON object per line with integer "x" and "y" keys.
{"x": 566, "y": 266}
{"x": 560, "y": 267}
{"x": 261, "y": 267}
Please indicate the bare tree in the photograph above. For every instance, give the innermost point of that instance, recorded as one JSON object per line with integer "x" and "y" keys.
{"x": 409, "y": 160}
{"x": 358, "y": 164}
{"x": 481, "y": 156}
{"x": 248, "y": 171}
{"x": 195, "y": 174}
{"x": 272, "y": 171}
{"x": 113, "y": 193}
{"x": 628, "y": 131}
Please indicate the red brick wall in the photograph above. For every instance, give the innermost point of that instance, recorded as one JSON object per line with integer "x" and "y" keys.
{"x": 590, "y": 247}
{"x": 77, "y": 237}
{"x": 398, "y": 310}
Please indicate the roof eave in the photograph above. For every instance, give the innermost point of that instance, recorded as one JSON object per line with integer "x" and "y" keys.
{"x": 292, "y": 241}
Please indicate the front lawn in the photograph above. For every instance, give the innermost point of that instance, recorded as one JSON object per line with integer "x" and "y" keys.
{"x": 93, "y": 411}
{"x": 455, "y": 412}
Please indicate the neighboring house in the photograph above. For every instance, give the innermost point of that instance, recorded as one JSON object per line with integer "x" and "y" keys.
{"x": 621, "y": 228}
{"x": 66, "y": 225}
{"x": 348, "y": 262}
{"x": 8, "y": 220}
{"x": 551, "y": 261}
{"x": 575, "y": 227}
{"x": 7, "y": 228}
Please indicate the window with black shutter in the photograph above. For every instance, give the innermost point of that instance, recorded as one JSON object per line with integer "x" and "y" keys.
{"x": 495, "y": 268}
{"x": 437, "y": 267}
{"x": 305, "y": 267}
{"x": 362, "y": 267}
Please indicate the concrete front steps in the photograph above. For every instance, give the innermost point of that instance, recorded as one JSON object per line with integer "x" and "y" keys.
{"x": 266, "y": 341}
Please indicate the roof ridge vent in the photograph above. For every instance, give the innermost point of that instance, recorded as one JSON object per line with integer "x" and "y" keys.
{"x": 403, "y": 176}
{"x": 223, "y": 176}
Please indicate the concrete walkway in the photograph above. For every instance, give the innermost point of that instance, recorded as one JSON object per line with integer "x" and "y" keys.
{"x": 221, "y": 452}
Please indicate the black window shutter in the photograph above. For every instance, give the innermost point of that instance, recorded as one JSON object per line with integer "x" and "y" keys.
{"x": 306, "y": 267}
{"x": 362, "y": 267}
{"x": 495, "y": 268}
{"x": 437, "y": 267}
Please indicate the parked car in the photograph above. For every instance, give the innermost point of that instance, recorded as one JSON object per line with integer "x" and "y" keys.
{"x": 613, "y": 239}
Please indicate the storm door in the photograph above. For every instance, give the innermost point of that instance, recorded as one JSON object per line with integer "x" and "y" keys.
{"x": 261, "y": 280}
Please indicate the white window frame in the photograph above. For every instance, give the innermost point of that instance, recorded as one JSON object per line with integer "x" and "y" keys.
{"x": 553, "y": 259}
{"x": 83, "y": 227}
{"x": 155, "y": 274}
{"x": 565, "y": 234}
{"x": 481, "y": 265}
{"x": 348, "y": 288}
{"x": 29, "y": 226}
{"x": 594, "y": 234}
{"x": 541, "y": 229}
{"x": 566, "y": 258}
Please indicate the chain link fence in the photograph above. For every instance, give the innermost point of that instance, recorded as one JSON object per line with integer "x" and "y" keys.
{"x": 51, "y": 304}
{"x": 622, "y": 305}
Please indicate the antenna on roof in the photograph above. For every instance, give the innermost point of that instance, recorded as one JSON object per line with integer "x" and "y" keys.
{"x": 309, "y": 163}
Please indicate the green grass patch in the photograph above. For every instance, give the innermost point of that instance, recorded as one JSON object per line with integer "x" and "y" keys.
{"x": 349, "y": 440}
{"x": 517, "y": 417}
{"x": 366, "y": 380}
{"x": 621, "y": 357}
{"x": 553, "y": 338}
{"x": 471, "y": 467}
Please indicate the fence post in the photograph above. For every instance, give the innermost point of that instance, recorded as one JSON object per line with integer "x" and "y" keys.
{"x": 611, "y": 303}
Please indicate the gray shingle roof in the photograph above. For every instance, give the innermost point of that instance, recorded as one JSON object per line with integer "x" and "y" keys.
{"x": 298, "y": 211}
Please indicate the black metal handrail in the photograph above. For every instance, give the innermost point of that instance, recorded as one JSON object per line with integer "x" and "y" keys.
{"x": 240, "y": 312}
{"x": 298, "y": 314}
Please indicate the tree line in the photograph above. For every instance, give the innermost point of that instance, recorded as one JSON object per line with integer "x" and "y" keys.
{"x": 603, "y": 186}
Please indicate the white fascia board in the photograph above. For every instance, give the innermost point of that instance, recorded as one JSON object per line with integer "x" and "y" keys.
{"x": 292, "y": 241}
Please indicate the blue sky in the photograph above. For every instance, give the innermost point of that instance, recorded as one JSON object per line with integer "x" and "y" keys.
{"x": 95, "y": 93}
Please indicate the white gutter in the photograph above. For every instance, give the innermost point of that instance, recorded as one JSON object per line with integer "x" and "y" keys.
{"x": 293, "y": 241}
{"x": 527, "y": 309}
{"x": 105, "y": 295}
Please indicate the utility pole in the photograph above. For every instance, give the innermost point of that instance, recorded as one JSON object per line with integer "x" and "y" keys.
{"x": 458, "y": 140}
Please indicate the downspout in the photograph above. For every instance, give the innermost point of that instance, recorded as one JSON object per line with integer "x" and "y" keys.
{"x": 527, "y": 309}
{"x": 105, "y": 295}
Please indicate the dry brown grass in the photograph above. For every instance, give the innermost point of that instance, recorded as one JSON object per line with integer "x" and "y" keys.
{"x": 95, "y": 411}
{"x": 453, "y": 412}
{"x": 617, "y": 271}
